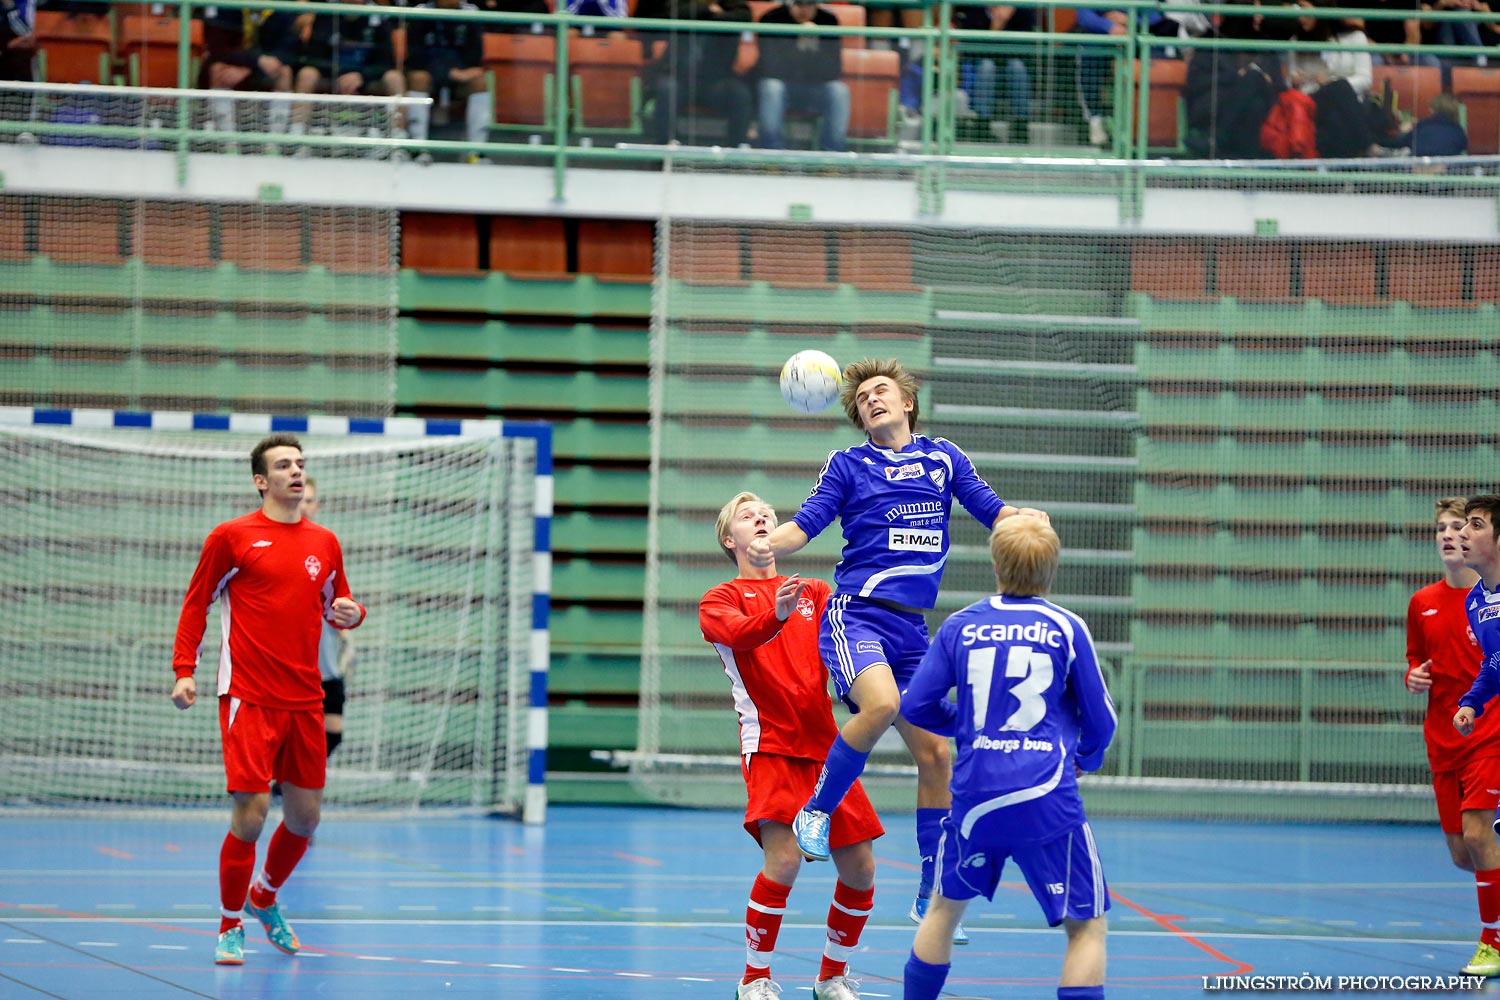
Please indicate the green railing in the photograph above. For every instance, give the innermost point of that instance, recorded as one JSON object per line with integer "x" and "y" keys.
{"x": 944, "y": 53}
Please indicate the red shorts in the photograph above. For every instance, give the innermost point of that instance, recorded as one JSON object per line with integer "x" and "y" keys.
{"x": 1476, "y": 785}
{"x": 779, "y": 787}
{"x": 262, "y": 745}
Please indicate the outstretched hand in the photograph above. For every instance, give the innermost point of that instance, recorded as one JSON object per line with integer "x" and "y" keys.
{"x": 786, "y": 596}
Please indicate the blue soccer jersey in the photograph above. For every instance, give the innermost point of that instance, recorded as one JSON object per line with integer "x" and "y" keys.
{"x": 1031, "y": 703}
{"x": 894, "y": 508}
{"x": 1483, "y": 609}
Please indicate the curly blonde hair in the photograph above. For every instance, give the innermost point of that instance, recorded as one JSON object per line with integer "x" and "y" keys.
{"x": 859, "y": 372}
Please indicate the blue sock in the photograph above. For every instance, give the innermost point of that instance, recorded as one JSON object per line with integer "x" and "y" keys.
{"x": 923, "y": 981}
{"x": 1080, "y": 993}
{"x": 840, "y": 771}
{"x": 929, "y": 833}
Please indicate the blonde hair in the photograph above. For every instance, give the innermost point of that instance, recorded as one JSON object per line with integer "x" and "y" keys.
{"x": 1024, "y": 550}
{"x": 1448, "y": 505}
{"x": 726, "y": 514}
{"x": 859, "y": 372}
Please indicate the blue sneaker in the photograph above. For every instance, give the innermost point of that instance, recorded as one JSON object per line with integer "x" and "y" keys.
{"x": 811, "y": 830}
{"x": 919, "y": 910}
{"x": 279, "y": 932}
{"x": 231, "y": 947}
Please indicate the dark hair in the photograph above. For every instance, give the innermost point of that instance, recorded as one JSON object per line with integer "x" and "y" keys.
{"x": 258, "y": 453}
{"x": 1489, "y": 505}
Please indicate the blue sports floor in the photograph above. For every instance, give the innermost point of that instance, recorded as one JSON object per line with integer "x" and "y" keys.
{"x": 629, "y": 904}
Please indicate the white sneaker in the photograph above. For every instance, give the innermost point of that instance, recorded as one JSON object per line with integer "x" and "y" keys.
{"x": 758, "y": 989}
{"x": 1098, "y": 133}
{"x": 837, "y": 988}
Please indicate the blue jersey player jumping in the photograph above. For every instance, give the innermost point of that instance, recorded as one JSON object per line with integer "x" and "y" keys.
{"x": 1032, "y": 710}
{"x": 892, "y": 495}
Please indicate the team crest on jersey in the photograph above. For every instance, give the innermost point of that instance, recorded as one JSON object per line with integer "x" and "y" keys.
{"x": 313, "y": 566}
{"x": 938, "y": 476}
{"x": 805, "y": 607}
{"x": 896, "y": 472}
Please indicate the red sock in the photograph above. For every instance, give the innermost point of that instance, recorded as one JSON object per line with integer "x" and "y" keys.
{"x": 281, "y": 857}
{"x": 846, "y": 921}
{"x": 1487, "y": 885}
{"x": 236, "y": 865}
{"x": 762, "y": 924}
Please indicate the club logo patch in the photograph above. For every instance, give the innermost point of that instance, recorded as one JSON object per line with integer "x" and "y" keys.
{"x": 898, "y": 472}
{"x": 938, "y": 476}
{"x": 313, "y": 567}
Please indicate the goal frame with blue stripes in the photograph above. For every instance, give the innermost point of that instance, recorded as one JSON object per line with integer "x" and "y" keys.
{"x": 534, "y": 805}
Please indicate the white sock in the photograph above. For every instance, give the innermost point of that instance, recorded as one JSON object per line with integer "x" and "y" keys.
{"x": 222, "y": 111}
{"x": 477, "y": 116}
{"x": 417, "y": 116}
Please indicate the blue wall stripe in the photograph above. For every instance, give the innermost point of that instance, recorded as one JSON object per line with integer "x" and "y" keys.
{"x": 126, "y": 419}
{"x": 60, "y": 417}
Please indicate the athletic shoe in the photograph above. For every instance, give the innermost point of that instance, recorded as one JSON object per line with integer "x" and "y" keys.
{"x": 836, "y": 988}
{"x": 231, "y": 947}
{"x": 279, "y": 932}
{"x": 919, "y": 910}
{"x": 1098, "y": 132}
{"x": 811, "y": 830}
{"x": 758, "y": 989}
{"x": 1486, "y": 962}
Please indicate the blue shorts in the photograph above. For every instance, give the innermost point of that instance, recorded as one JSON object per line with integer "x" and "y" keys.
{"x": 1064, "y": 873}
{"x": 857, "y": 634}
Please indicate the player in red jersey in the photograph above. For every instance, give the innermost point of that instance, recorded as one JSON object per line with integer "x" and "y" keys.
{"x": 765, "y": 629}
{"x": 280, "y": 576}
{"x": 1442, "y": 660}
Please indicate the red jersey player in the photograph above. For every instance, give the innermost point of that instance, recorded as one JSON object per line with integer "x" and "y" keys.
{"x": 1442, "y": 660}
{"x": 281, "y": 576}
{"x": 765, "y": 629}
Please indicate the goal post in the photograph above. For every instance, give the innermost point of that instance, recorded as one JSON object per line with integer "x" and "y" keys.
{"x": 445, "y": 526}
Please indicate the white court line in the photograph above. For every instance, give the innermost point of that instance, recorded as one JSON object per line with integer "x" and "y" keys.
{"x": 24, "y": 941}
{"x": 98, "y": 944}
{"x": 417, "y": 909}
{"x": 635, "y": 975}
{"x": 557, "y": 968}
{"x": 167, "y": 947}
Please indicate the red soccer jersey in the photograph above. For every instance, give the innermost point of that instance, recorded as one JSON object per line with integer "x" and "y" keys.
{"x": 279, "y": 582}
{"x": 1437, "y": 629}
{"x": 780, "y": 684}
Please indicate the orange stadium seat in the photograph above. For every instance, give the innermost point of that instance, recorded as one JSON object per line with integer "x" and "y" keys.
{"x": 260, "y": 237}
{"x": 13, "y": 229}
{"x": 1426, "y": 275}
{"x": 877, "y": 260}
{"x": 351, "y": 240}
{"x": 1414, "y": 87}
{"x": 1255, "y": 271}
{"x": 793, "y": 257}
{"x": 1478, "y": 90}
{"x": 174, "y": 234}
{"x": 148, "y": 48}
{"x": 439, "y": 241}
{"x": 706, "y": 254}
{"x": 606, "y": 72}
{"x": 76, "y": 48}
{"x": 1164, "y": 108}
{"x": 1169, "y": 269}
{"x": 77, "y": 233}
{"x": 1339, "y": 272}
{"x": 522, "y": 68}
{"x": 1486, "y": 274}
{"x": 873, "y": 76}
{"x": 534, "y": 245}
{"x": 616, "y": 248}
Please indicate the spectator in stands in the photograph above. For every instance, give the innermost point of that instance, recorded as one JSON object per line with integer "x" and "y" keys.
{"x": 696, "y": 69}
{"x": 1452, "y": 32}
{"x": 1095, "y": 62}
{"x": 236, "y": 59}
{"x": 1394, "y": 31}
{"x": 1229, "y": 94}
{"x": 802, "y": 72}
{"x": 513, "y": 7}
{"x": 448, "y": 55}
{"x": 1439, "y": 134}
{"x": 343, "y": 54}
{"x": 598, "y": 8}
{"x": 1308, "y": 71}
{"x": 17, "y": 39}
{"x": 981, "y": 78}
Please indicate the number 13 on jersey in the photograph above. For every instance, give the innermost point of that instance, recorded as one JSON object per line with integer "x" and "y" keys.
{"x": 1034, "y": 671}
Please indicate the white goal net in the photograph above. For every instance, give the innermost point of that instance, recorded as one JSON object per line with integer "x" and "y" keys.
{"x": 105, "y": 525}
